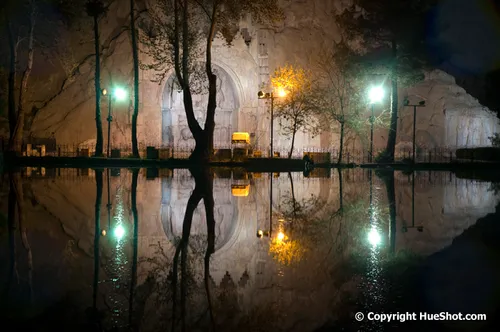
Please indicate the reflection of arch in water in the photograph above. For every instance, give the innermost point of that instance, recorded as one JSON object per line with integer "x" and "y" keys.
{"x": 174, "y": 123}
{"x": 173, "y": 208}
{"x": 302, "y": 189}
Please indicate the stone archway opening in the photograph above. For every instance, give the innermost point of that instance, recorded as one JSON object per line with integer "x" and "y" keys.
{"x": 175, "y": 130}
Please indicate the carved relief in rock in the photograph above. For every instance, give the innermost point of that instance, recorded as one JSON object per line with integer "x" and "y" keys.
{"x": 174, "y": 115}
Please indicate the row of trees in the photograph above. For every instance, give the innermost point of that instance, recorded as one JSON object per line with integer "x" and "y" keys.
{"x": 385, "y": 37}
{"x": 175, "y": 34}
{"x": 32, "y": 27}
{"x": 379, "y": 38}
{"x": 97, "y": 9}
{"x": 330, "y": 97}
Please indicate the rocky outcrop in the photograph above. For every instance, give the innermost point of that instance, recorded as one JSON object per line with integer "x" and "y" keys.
{"x": 451, "y": 117}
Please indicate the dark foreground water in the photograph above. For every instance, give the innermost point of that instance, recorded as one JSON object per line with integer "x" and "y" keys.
{"x": 149, "y": 250}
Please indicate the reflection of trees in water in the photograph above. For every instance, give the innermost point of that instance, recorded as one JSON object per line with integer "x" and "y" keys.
{"x": 16, "y": 208}
{"x": 316, "y": 246}
{"x": 158, "y": 310}
{"x": 334, "y": 231}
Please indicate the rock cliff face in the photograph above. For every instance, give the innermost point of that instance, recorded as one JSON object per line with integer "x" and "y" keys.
{"x": 451, "y": 117}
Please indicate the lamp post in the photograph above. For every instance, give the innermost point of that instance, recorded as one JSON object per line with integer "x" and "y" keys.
{"x": 376, "y": 94}
{"x": 270, "y": 96}
{"x": 420, "y": 104}
{"x": 119, "y": 94}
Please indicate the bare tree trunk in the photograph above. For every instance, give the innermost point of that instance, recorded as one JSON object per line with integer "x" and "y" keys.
{"x": 341, "y": 147}
{"x": 341, "y": 192}
{"x": 97, "y": 235}
{"x": 181, "y": 250}
{"x": 135, "y": 55}
{"x": 97, "y": 82}
{"x": 11, "y": 217}
{"x": 181, "y": 66}
{"x": 18, "y": 189}
{"x": 391, "y": 197}
{"x": 391, "y": 140}
{"x": 294, "y": 202}
{"x": 388, "y": 178}
{"x": 203, "y": 137}
{"x": 209, "y": 203}
{"x": 135, "y": 215}
{"x": 17, "y": 137}
{"x": 212, "y": 88}
{"x": 12, "y": 80}
{"x": 175, "y": 277}
{"x": 294, "y": 132}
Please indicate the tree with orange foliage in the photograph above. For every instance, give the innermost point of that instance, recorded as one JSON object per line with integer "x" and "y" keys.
{"x": 294, "y": 109}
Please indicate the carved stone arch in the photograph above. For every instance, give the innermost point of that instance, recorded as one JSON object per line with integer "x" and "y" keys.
{"x": 175, "y": 131}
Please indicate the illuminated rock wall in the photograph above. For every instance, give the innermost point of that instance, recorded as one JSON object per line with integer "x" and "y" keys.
{"x": 451, "y": 117}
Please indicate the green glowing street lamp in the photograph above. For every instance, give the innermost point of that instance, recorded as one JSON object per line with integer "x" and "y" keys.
{"x": 375, "y": 95}
{"x": 118, "y": 94}
{"x": 119, "y": 232}
{"x": 374, "y": 237}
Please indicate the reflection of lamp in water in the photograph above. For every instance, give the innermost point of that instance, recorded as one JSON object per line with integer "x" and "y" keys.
{"x": 374, "y": 237}
{"x": 108, "y": 206}
{"x": 280, "y": 236}
{"x": 419, "y": 228}
{"x": 119, "y": 232}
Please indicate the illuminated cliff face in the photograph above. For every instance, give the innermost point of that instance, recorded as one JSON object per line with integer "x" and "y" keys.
{"x": 451, "y": 117}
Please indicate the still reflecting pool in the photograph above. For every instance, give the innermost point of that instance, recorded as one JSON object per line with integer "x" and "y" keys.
{"x": 227, "y": 250}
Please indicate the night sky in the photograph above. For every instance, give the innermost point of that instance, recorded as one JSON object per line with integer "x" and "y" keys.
{"x": 471, "y": 28}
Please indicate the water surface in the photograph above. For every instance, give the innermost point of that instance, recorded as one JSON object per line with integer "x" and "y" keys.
{"x": 153, "y": 250}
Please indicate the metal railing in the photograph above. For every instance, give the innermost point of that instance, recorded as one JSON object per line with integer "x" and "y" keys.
{"x": 327, "y": 155}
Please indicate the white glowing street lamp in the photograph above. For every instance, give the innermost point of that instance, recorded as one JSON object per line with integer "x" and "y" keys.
{"x": 375, "y": 95}
{"x": 118, "y": 94}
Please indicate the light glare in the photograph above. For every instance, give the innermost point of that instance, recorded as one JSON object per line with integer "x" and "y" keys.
{"x": 120, "y": 94}
{"x": 281, "y": 236}
{"x": 374, "y": 237}
{"x": 119, "y": 232}
{"x": 376, "y": 94}
{"x": 281, "y": 92}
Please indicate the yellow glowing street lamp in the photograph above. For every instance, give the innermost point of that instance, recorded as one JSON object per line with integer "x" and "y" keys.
{"x": 280, "y": 236}
{"x": 375, "y": 95}
{"x": 119, "y": 94}
{"x": 270, "y": 95}
{"x": 281, "y": 92}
